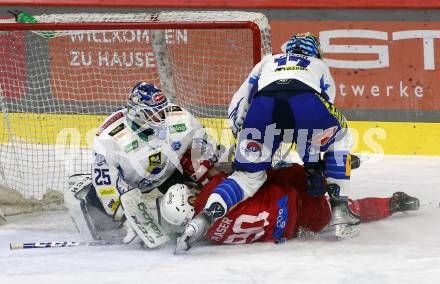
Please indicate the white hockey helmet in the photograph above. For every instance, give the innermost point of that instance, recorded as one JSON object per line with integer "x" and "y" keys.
{"x": 174, "y": 207}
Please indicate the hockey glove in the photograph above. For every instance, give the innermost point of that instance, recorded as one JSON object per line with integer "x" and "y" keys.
{"x": 196, "y": 170}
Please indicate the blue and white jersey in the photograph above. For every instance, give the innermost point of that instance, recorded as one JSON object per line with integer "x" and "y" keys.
{"x": 309, "y": 70}
{"x": 127, "y": 157}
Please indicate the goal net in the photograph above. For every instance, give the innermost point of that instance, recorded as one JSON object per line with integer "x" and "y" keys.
{"x": 61, "y": 77}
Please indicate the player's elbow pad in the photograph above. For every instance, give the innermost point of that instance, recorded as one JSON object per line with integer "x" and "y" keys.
{"x": 230, "y": 191}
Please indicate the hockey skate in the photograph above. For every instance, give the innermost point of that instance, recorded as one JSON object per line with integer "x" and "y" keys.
{"x": 194, "y": 231}
{"x": 345, "y": 222}
{"x": 402, "y": 202}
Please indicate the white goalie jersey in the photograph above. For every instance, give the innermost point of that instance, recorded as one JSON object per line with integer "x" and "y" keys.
{"x": 127, "y": 156}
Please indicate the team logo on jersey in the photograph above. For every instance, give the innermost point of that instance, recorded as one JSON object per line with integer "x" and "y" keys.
{"x": 99, "y": 160}
{"x": 117, "y": 129}
{"x": 176, "y": 145}
{"x": 289, "y": 68}
{"x": 108, "y": 191}
{"x": 283, "y": 81}
{"x": 113, "y": 204}
{"x": 120, "y": 135}
{"x": 281, "y": 221}
{"x": 251, "y": 151}
{"x": 109, "y": 122}
{"x": 177, "y": 128}
{"x": 217, "y": 210}
{"x": 173, "y": 109}
{"x": 154, "y": 163}
{"x": 253, "y": 147}
{"x": 132, "y": 146}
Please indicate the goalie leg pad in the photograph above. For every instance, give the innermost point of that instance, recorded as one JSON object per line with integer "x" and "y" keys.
{"x": 89, "y": 219}
{"x": 74, "y": 199}
{"x": 141, "y": 220}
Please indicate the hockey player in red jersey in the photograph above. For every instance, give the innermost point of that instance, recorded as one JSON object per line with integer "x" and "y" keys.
{"x": 278, "y": 211}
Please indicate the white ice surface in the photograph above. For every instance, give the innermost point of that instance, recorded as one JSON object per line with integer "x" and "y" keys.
{"x": 402, "y": 249}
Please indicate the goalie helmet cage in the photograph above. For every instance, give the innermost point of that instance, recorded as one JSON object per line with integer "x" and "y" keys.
{"x": 63, "y": 75}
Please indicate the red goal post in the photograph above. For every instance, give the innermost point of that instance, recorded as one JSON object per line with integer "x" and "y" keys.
{"x": 60, "y": 77}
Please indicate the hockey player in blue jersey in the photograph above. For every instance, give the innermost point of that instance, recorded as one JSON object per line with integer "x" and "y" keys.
{"x": 287, "y": 97}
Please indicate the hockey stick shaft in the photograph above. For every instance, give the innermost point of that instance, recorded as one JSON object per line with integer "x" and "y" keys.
{"x": 16, "y": 246}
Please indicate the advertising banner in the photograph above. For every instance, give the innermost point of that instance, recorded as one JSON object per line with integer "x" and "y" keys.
{"x": 12, "y": 62}
{"x": 206, "y": 65}
{"x": 376, "y": 65}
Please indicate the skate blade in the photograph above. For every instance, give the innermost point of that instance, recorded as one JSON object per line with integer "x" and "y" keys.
{"x": 344, "y": 231}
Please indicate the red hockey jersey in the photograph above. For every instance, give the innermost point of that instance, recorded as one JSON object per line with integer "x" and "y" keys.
{"x": 275, "y": 212}
{"x": 278, "y": 209}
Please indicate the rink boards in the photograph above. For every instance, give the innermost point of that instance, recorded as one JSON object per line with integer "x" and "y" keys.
{"x": 402, "y": 138}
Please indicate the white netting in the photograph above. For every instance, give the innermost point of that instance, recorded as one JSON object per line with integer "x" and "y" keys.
{"x": 55, "y": 91}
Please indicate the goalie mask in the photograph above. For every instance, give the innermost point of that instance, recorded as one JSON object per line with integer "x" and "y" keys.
{"x": 306, "y": 44}
{"x": 175, "y": 208}
{"x": 146, "y": 105}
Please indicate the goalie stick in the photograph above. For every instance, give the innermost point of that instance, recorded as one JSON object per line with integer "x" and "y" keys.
{"x": 17, "y": 246}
